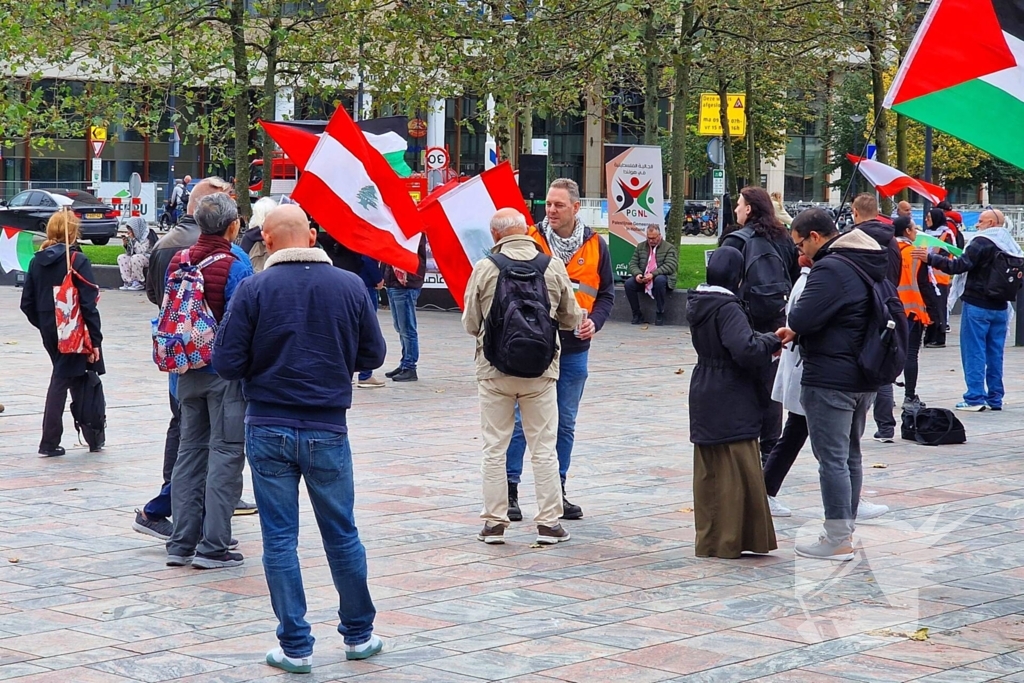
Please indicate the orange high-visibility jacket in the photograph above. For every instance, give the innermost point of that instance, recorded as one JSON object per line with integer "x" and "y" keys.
{"x": 910, "y": 286}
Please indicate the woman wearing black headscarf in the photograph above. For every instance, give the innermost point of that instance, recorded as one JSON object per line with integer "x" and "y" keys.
{"x": 730, "y": 504}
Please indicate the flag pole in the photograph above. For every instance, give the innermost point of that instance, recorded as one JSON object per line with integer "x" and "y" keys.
{"x": 856, "y": 167}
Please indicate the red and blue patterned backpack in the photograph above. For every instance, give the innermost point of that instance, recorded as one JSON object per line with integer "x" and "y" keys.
{"x": 184, "y": 332}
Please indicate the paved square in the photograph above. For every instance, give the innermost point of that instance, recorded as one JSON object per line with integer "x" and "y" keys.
{"x": 83, "y": 598}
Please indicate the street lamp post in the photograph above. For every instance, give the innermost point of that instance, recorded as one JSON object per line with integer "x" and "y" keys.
{"x": 857, "y": 119}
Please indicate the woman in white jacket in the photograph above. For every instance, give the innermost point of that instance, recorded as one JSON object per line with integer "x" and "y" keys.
{"x": 786, "y": 391}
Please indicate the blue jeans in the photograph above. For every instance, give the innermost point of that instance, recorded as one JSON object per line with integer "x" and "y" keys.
{"x": 375, "y": 300}
{"x": 982, "y": 336}
{"x": 835, "y": 423}
{"x": 572, "y": 378}
{"x": 403, "y": 312}
{"x": 278, "y": 457}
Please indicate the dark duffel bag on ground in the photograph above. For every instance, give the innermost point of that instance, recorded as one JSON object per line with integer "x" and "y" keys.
{"x": 932, "y": 427}
{"x": 89, "y": 410}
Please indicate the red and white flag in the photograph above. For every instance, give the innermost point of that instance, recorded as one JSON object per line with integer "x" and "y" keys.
{"x": 457, "y": 218}
{"x": 352, "y": 192}
{"x": 888, "y": 180}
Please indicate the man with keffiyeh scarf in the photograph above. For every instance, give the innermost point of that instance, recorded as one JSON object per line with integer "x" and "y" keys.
{"x": 564, "y": 236}
{"x": 985, "y": 317}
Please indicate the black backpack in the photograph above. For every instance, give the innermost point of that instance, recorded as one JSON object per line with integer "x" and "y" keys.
{"x": 185, "y": 194}
{"x": 520, "y": 336}
{"x": 1004, "y": 276}
{"x": 932, "y": 427}
{"x": 766, "y": 284}
{"x": 884, "y": 352}
{"x": 90, "y": 412}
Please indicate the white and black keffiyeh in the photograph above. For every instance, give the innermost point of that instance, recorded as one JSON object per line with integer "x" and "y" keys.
{"x": 563, "y": 247}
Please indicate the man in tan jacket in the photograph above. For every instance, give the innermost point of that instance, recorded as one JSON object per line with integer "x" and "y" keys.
{"x": 500, "y": 392}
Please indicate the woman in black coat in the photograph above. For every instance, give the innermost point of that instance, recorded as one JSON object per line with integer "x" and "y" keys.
{"x": 730, "y": 504}
{"x": 46, "y": 271}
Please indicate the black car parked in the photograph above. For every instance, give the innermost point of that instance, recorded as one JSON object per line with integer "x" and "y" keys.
{"x": 31, "y": 209}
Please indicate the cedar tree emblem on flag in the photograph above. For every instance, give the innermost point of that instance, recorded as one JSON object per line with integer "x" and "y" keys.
{"x": 349, "y": 188}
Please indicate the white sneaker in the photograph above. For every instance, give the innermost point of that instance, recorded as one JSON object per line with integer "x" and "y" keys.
{"x": 136, "y": 287}
{"x": 364, "y": 650}
{"x": 778, "y": 509}
{"x": 293, "y": 665}
{"x": 867, "y": 510}
{"x": 125, "y": 287}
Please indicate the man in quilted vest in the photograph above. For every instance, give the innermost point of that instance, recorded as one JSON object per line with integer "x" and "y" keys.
{"x": 207, "y": 478}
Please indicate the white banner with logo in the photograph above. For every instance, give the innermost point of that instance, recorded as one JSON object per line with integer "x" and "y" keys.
{"x": 118, "y": 196}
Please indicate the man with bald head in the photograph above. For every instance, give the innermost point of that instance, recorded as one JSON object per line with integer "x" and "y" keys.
{"x": 903, "y": 209}
{"x": 518, "y": 257}
{"x": 294, "y": 334}
{"x": 153, "y": 518}
{"x": 985, "y": 314}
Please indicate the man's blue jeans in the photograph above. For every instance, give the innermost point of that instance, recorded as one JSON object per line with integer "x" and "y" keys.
{"x": 982, "y": 337}
{"x": 278, "y": 456}
{"x": 375, "y": 300}
{"x": 403, "y": 313}
{"x": 571, "y": 380}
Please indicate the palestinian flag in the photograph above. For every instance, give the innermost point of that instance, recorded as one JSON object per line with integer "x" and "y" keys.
{"x": 17, "y": 247}
{"x": 386, "y": 135}
{"x": 964, "y": 75}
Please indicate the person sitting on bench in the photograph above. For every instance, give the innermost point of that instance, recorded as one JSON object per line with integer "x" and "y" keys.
{"x": 652, "y": 270}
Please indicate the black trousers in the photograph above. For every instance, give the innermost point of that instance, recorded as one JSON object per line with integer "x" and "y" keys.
{"x": 771, "y": 418}
{"x": 53, "y": 412}
{"x": 659, "y": 288}
{"x": 782, "y": 457}
{"x": 910, "y": 370}
{"x": 936, "y": 332}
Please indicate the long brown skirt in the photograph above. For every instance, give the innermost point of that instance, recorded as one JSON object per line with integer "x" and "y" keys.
{"x": 730, "y": 505}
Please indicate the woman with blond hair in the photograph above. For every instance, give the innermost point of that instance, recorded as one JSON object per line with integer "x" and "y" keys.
{"x": 46, "y": 271}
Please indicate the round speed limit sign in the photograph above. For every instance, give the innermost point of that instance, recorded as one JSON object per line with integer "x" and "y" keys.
{"x": 437, "y": 158}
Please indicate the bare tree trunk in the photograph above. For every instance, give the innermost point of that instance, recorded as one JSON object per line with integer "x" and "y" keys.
{"x": 267, "y": 145}
{"x": 241, "y": 96}
{"x": 681, "y": 58}
{"x": 730, "y": 164}
{"x": 753, "y": 167}
{"x": 652, "y": 69}
{"x": 526, "y": 123}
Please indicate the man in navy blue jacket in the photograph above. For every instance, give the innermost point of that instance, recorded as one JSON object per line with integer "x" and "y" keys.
{"x": 294, "y": 335}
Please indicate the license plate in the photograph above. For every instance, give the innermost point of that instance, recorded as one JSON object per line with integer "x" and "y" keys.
{"x": 94, "y": 215}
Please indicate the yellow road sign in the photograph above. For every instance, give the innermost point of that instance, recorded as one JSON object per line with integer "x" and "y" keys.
{"x": 98, "y": 133}
{"x": 710, "y": 118}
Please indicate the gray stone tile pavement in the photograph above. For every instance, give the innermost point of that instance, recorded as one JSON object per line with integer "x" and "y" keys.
{"x": 83, "y": 598}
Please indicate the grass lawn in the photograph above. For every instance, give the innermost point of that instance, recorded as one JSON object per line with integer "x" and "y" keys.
{"x": 691, "y": 265}
{"x": 691, "y": 260}
{"x": 107, "y": 254}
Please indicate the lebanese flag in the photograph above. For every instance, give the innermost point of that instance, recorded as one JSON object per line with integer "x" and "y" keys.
{"x": 889, "y": 181}
{"x": 964, "y": 75}
{"x": 458, "y": 217}
{"x": 349, "y": 188}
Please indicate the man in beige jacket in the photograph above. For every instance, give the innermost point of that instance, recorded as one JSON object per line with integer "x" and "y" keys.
{"x": 499, "y": 392}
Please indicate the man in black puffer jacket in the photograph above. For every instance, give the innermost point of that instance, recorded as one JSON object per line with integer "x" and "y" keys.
{"x": 865, "y": 217}
{"x": 831, "y": 320}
